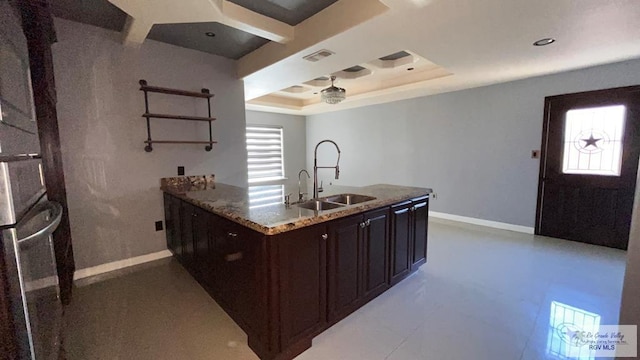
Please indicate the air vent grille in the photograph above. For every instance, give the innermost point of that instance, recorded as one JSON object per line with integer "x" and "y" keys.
{"x": 354, "y": 69}
{"x": 395, "y": 56}
{"x": 318, "y": 55}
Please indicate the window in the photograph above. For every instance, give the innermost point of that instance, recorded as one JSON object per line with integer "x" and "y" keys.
{"x": 593, "y": 141}
{"x": 264, "y": 153}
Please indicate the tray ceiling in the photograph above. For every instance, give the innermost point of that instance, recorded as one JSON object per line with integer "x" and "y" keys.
{"x": 228, "y": 42}
{"x": 99, "y": 13}
{"x": 291, "y": 12}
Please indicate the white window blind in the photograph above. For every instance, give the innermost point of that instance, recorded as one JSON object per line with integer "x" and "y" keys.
{"x": 264, "y": 153}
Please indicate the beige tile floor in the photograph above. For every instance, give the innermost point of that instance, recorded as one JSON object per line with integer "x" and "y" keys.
{"x": 484, "y": 294}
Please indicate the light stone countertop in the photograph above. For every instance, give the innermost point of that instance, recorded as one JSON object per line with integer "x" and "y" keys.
{"x": 232, "y": 202}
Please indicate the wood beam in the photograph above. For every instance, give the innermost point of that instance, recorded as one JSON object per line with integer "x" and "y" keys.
{"x": 37, "y": 24}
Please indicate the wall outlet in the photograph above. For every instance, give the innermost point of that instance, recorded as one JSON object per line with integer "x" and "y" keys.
{"x": 180, "y": 170}
{"x": 434, "y": 196}
{"x": 158, "y": 225}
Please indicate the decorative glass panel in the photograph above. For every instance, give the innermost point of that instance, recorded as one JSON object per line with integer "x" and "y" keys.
{"x": 593, "y": 141}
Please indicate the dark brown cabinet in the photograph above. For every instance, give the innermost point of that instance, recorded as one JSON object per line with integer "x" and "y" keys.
{"x": 420, "y": 227}
{"x": 409, "y": 226}
{"x": 202, "y": 227}
{"x": 344, "y": 266}
{"x": 225, "y": 257}
{"x": 235, "y": 273}
{"x": 285, "y": 289}
{"x": 375, "y": 257}
{"x": 401, "y": 242}
{"x": 303, "y": 290}
{"x": 186, "y": 234}
{"x": 172, "y": 221}
{"x": 358, "y": 249}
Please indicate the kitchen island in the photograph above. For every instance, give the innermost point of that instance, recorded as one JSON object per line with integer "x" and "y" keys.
{"x": 287, "y": 273}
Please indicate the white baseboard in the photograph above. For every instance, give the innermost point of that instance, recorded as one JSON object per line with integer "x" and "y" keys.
{"x": 481, "y": 222}
{"x": 38, "y": 284}
{"x": 120, "y": 264}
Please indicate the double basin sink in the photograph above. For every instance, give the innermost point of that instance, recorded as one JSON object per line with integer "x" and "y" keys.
{"x": 335, "y": 201}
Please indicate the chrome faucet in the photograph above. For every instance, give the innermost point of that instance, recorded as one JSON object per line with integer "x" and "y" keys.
{"x": 300, "y": 193}
{"x": 316, "y": 167}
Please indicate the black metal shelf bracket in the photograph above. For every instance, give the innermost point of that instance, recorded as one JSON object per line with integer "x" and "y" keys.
{"x": 204, "y": 93}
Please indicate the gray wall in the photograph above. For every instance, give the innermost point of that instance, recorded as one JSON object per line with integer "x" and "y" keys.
{"x": 472, "y": 147}
{"x": 295, "y": 139}
{"x": 112, "y": 183}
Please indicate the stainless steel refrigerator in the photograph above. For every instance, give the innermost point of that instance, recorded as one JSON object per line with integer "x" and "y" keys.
{"x": 27, "y": 219}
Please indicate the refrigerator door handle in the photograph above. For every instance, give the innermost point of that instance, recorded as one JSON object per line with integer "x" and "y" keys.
{"x": 21, "y": 157}
{"x": 54, "y": 221}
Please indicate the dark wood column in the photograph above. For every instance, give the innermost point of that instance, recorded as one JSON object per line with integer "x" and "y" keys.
{"x": 37, "y": 23}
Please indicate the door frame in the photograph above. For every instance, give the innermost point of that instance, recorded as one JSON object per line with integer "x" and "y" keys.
{"x": 545, "y": 127}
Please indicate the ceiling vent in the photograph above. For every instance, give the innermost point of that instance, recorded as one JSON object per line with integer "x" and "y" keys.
{"x": 354, "y": 69}
{"x": 395, "y": 56}
{"x": 318, "y": 55}
{"x": 296, "y": 89}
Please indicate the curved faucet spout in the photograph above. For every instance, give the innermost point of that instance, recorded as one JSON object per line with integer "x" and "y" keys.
{"x": 315, "y": 152}
{"x": 300, "y": 193}
{"x": 304, "y": 171}
{"x": 316, "y": 167}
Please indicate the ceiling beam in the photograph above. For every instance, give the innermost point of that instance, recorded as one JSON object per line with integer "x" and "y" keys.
{"x": 142, "y": 17}
{"x": 257, "y": 24}
{"x": 333, "y": 20}
{"x": 135, "y": 31}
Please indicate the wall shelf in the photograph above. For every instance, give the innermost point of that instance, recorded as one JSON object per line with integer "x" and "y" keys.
{"x": 204, "y": 94}
{"x": 144, "y": 87}
{"x": 177, "y": 117}
{"x": 179, "y": 142}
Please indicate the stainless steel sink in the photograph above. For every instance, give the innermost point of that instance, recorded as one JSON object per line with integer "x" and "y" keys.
{"x": 318, "y": 205}
{"x": 349, "y": 199}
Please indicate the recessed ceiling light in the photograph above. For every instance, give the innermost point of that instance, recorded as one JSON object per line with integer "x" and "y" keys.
{"x": 210, "y": 34}
{"x": 545, "y": 41}
{"x": 410, "y": 69}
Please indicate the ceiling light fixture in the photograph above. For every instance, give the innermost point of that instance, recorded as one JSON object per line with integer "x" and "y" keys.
{"x": 545, "y": 41}
{"x": 333, "y": 95}
{"x": 210, "y": 34}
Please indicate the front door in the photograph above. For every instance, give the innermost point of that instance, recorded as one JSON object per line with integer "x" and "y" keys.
{"x": 590, "y": 151}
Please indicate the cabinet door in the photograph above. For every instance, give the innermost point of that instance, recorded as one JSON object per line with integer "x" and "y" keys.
{"x": 201, "y": 224}
{"x": 302, "y": 258}
{"x": 375, "y": 270}
{"x": 174, "y": 228}
{"x": 420, "y": 229}
{"x": 168, "y": 225}
{"x": 246, "y": 269}
{"x": 243, "y": 275}
{"x": 344, "y": 291}
{"x": 187, "y": 215}
{"x": 224, "y": 249}
{"x": 401, "y": 238}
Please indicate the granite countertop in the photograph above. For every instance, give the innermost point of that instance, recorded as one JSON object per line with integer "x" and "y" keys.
{"x": 232, "y": 202}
